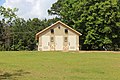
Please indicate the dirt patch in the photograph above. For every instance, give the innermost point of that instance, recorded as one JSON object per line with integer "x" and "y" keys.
{"x": 12, "y": 75}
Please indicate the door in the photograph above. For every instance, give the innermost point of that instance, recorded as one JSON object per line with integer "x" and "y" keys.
{"x": 45, "y": 43}
{"x": 58, "y": 42}
{"x": 72, "y": 43}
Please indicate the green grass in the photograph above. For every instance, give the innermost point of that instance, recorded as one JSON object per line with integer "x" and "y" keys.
{"x": 59, "y": 66}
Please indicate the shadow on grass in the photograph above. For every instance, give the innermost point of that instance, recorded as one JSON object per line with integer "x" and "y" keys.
{"x": 12, "y": 76}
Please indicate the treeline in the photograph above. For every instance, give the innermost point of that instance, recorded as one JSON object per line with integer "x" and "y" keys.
{"x": 17, "y": 33}
{"x": 97, "y": 20}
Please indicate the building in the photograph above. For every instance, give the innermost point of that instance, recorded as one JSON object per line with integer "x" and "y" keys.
{"x": 58, "y": 37}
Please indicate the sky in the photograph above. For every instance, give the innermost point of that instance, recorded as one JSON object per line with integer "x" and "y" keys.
{"x": 30, "y": 8}
{"x": 2, "y": 1}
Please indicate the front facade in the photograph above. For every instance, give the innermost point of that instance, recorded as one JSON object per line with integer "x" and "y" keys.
{"x": 58, "y": 37}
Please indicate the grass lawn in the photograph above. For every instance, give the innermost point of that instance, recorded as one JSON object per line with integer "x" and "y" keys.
{"x": 59, "y": 66}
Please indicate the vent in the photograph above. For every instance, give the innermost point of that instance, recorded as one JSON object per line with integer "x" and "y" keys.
{"x": 66, "y": 31}
{"x": 52, "y": 31}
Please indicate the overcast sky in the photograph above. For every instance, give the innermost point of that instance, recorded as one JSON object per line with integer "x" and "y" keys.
{"x": 30, "y": 8}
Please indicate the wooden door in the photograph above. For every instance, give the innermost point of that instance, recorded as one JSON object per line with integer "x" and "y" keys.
{"x": 72, "y": 43}
{"x": 45, "y": 43}
{"x": 58, "y": 42}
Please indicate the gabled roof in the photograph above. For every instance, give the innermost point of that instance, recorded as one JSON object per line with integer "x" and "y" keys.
{"x": 37, "y": 35}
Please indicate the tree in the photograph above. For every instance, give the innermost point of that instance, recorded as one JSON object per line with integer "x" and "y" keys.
{"x": 97, "y": 20}
{"x": 7, "y": 15}
{"x": 24, "y": 32}
{"x": 118, "y": 3}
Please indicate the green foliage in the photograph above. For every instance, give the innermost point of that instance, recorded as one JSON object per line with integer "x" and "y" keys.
{"x": 8, "y": 13}
{"x": 24, "y": 32}
{"x": 19, "y": 34}
{"x": 97, "y": 20}
{"x": 7, "y": 16}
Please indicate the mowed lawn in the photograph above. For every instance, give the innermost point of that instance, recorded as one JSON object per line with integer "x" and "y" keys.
{"x": 59, "y": 65}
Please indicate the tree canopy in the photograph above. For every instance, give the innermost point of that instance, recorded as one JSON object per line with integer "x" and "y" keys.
{"x": 97, "y": 20}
